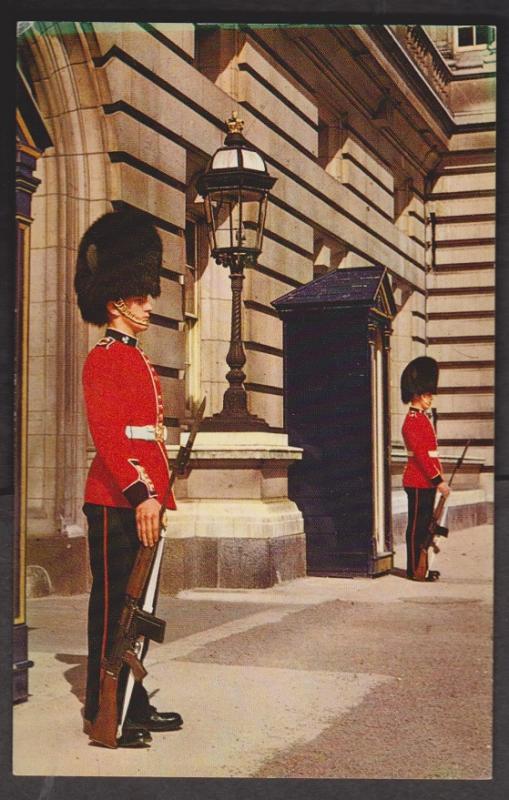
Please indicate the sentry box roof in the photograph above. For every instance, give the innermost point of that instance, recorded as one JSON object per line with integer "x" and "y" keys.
{"x": 353, "y": 287}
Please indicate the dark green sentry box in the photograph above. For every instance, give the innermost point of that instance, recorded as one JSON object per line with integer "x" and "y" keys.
{"x": 336, "y": 373}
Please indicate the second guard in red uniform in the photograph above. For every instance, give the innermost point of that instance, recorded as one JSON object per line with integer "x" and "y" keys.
{"x": 423, "y": 472}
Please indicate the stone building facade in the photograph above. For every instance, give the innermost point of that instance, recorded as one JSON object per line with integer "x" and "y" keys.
{"x": 382, "y": 140}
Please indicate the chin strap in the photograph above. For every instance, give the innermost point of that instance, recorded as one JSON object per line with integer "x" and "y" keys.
{"x": 124, "y": 311}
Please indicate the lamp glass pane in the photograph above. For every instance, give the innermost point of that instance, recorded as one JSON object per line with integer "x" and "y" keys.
{"x": 252, "y": 160}
{"x": 225, "y": 212}
{"x": 251, "y": 224}
{"x": 225, "y": 159}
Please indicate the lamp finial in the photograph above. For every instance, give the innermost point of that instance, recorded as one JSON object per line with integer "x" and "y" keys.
{"x": 235, "y": 125}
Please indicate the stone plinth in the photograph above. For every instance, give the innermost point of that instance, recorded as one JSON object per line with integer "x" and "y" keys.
{"x": 235, "y": 526}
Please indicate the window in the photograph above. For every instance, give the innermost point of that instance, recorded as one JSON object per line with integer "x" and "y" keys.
{"x": 193, "y": 243}
{"x": 475, "y": 35}
{"x": 190, "y": 304}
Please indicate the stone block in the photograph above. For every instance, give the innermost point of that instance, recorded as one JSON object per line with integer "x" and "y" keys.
{"x": 253, "y": 92}
{"x": 173, "y": 396}
{"x": 265, "y": 67}
{"x": 35, "y": 481}
{"x": 64, "y": 560}
{"x": 295, "y": 230}
{"x": 463, "y": 376}
{"x": 244, "y": 564}
{"x": 156, "y": 103}
{"x": 267, "y": 406}
{"x": 263, "y": 328}
{"x": 265, "y": 288}
{"x": 463, "y": 182}
{"x": 354, "y": 148}
{"x": 476, "y": 351}
{"x": 461, "y": 302}
{"x": 264, "y": 368}
{"x": 169, "y": 302}
{"x": 286, "y": 261}
{"x": 228, "y": 563}
{"x": 180, "y": 33}
{"x": 352, "y": 175}
{"x": 463, "y": 206}
{"x": 148, "y": 193}
{"x": 467, "y": 429}
{"x": 130, "y": 135}
{"x": 223, "y": 483}
{"x": 215, "y": 318}
{"x": 173, "y": 250}
{"x": 215, "y": 283}
{"x": 164, "y": 346}
{"x": 471, "y": 254}
{"x": 462, "y": 327}
{"x": 36, "y": 451}
{"x": 466, "y": 402}
{"x": 465, "y": 230}
{"x": 288, "y": 558}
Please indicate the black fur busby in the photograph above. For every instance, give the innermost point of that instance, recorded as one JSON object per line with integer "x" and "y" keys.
{"x": 419, "y": 377}
{"x": 119, "y": 256}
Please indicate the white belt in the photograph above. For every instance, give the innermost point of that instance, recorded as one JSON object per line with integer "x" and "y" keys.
{"x": 432, "y": 453}
{"x": 150, "y": 433}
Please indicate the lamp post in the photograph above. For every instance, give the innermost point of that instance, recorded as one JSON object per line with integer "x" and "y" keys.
{"x": 235, "y": 188}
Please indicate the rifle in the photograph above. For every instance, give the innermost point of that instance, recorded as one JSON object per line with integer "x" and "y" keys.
{"x": 435, "y": 529}
{"x": 137, "y": 622}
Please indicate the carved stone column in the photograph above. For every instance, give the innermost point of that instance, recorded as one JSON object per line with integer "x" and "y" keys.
{"x": 31, "y": 140}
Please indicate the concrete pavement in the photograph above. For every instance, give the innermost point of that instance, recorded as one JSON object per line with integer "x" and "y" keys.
{"x": 306, "y": 679}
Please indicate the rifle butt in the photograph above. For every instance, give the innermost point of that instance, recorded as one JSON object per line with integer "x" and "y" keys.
{"x": 422, "y": 566}
{"x": 104, "y": 727}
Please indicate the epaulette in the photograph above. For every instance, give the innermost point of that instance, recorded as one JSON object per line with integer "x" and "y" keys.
{"x": 106, "y": 342}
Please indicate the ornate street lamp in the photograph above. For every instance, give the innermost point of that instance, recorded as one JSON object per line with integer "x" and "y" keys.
{"x": 235, "y": 188}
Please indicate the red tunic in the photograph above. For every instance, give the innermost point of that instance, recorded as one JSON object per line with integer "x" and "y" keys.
{"x": 423, "y": 471}
{"x": 121, "y": 388}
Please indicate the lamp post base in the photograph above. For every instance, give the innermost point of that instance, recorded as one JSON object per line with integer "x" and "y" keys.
{"x": 226, "y": 422}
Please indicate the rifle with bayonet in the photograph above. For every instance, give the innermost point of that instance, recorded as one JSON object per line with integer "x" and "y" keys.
{"x": 435, "y": 529}
{"x": 137, "y": 621}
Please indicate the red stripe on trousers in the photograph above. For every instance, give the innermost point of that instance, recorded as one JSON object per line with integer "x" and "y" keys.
{"x": 106, "y": 587}
{"x": 412, "y": 538}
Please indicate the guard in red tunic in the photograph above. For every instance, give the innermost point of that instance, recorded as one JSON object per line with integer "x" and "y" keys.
{"x": 117, "y": 273}
{"x": 423, "y": 472}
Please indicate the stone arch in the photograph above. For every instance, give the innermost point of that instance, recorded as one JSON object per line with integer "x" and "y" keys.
{"x": 75, "y": 188}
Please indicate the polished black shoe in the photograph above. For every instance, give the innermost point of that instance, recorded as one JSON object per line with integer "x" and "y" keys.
{"x": 157, "y": 721}
{"x": 433, "y": 575}
{"x": 132, "y": 736}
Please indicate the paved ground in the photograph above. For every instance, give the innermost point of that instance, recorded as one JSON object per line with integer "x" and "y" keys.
{"x": 328, "y": 678}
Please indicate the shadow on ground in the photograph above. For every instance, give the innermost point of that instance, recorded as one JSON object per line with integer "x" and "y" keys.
{"x": 76, "y": 676}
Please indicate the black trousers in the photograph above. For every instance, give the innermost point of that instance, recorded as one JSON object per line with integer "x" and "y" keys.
{"x": 113, "y": 545}
{"x": 420, "y": 511}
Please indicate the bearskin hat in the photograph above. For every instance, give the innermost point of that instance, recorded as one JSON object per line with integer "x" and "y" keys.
{"x": 419, "y": 377}
{"x": 119, "y": 256}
